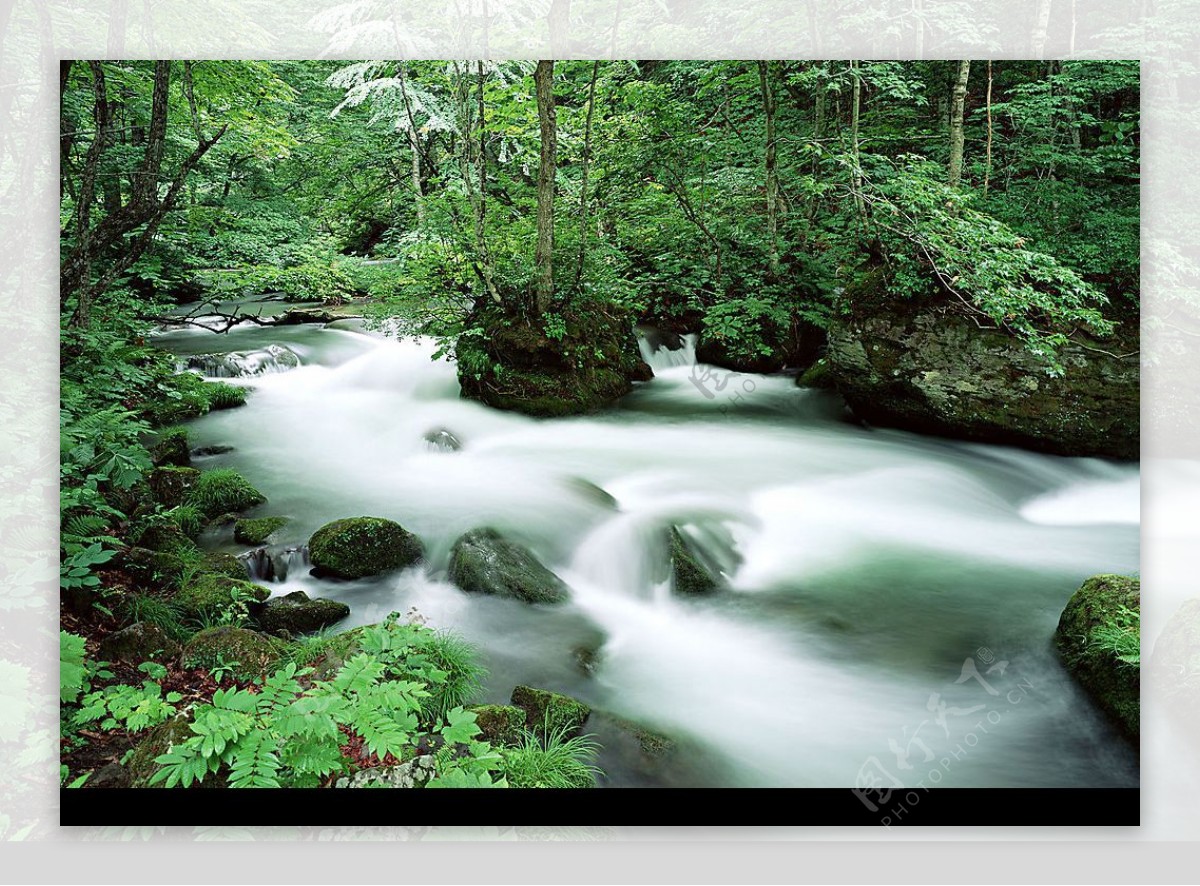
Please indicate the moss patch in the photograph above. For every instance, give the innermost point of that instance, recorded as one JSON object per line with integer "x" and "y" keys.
{"x": 501, "y": 724}
{"x": 172, "y": 485}
{"x": 545, "y": 710}
{"x": 689, "y": 577}
{"x": 257, "y": 531}
{"x": 516, "y": 365}
{"x": 356, "y": 547}
{"x": 1113, "y": 684}
{"x": 209, "y": 593}
{"x": 172, "y": 448}
{"x": 250, "y": 654}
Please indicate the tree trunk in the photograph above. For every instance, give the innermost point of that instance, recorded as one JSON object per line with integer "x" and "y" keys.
{"x": 772, "y": 180}
{"x": 956, "y": 122}
{"x": 543, "y": 77}
{"x": 584, "y": 202}
{"x": 854, "y": 115}
{"x": 1041, "y": 26}
{"x": 987, "y": 165}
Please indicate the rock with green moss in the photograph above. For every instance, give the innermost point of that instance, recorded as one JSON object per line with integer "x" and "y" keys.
{"x": 927, "y": 367}
{"x": 297, "y": 613}
{"x": 137, "y": 643}
{"x": 816, "y": 376}
{"x": 485, "y": 562}
{"x": 501, "y": 724}
{"x": 222, "y": 395}
{"x": 172, "y": 485}
{"x": 222, "y": 491}
{"x": 156, "y": 568}
{"x": 141, "y": 766}
{"x": 208, "y": 594}
{"x": 171, "y": 448}
{"x": 1100, "y": 605}
{"x": 690, "y": 577}
{"x": 257, "y": 531}
{"x": 224, "y": 564}
{"x": 545, "y": 710}
{"x": 357, "y": 547}
{"x": 586, "y": 362}
{"x": 249, "y": 654}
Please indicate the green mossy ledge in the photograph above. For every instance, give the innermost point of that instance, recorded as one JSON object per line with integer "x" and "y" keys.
{"x": 1113, "y": 684}
{"x": 926, "y": 367}
{"x": 256, "y": 531}
{"x": 514, "y": 365}
{"x": 547, "y": 711}
{"x": 357, "y": 547}
{"x": 689, "y": 577}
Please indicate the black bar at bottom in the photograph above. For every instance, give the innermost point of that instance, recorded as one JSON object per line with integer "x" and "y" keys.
{"x": 754, "y": 807}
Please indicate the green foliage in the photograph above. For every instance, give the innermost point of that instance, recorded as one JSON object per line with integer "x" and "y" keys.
{"x": 306, "y": 282}
{"x": 1120, "y": 636}
{"x": 72, "y": 672}
{"x": 552, "y": 761}
{"x": 132, "y": 708}
{"x": 291, "y": 732}
{"x": 933, "y": 240}
{"x": 162, "y": 613}
{"x": 222, "y": 491}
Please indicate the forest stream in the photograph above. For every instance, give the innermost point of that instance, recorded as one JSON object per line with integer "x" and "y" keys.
{"x": 891, "y": 597}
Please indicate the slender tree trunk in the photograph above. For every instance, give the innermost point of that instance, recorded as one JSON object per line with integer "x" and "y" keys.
{"x": 1041, "y": 26}
{"x": 957, "y": 112}
{"x": 543, "y": 77}
{"x": 987, "y": 165}
{"x": 855, "y": 106}
{"x": 584, "y": 201}
{"x": 772, "y": 180}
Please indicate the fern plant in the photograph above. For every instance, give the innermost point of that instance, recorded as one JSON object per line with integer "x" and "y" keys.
{"x": 1121, "y": 636}
{"x": 292, "y": 732}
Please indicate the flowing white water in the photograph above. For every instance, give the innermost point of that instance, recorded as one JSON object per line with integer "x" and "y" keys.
{"x": 865, "y": 567}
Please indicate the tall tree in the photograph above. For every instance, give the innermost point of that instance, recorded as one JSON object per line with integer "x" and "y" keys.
{"x": 772, "y": 177}
{"x": 957, "y": 111}
{"x": 543, "y": 78}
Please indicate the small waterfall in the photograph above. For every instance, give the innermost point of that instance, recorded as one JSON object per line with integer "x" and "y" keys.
{"x": 663, "y": 351}
{"x": 240, "y": 364}
{"x": 276, "y": 562}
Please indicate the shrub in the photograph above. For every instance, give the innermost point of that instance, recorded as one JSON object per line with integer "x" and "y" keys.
{"x": 222, "y": 491}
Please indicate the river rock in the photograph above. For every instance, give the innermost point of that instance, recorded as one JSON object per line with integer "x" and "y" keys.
{"x": 927, "y": 368}
{"x": 141, "y": 767}
{"x": 137, "y": 643}
{"x": 689, "y": 576}
{"x": 208, "y": 594}
{"x": 416, "y": 773}
{"x": 548, "y": 711}
{"x": 485, "y": 562}
{"x": 356, "y": 547}
{"x": 256, "y": 531}
{"x": 443, "y": 441}
{"x": 250, "y": 654}
{"x": 1112, "y": 683}
{"x": 501, "y": 724}
{"x": 296, "y": 613}
{"x": 171, "y": 449}
{"x": 297, "y": 316}
{"x": 516, "y": 365}
{"x": 171, "y": 484}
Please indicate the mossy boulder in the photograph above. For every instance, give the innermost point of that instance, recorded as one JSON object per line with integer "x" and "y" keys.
{"x": 156, "y": 568}
{"x": 171, "y": 485}
{"x": 816, "y": 376}
{"x": 224, "y": 564}
{"x": 590, "y": 361}
{"x": 171, "y": 448}
{"x": 137, "y": 643}
{"x": 251, "y": 655}
{"x": 222, "y": 491}
{"x": 485, "y": 562}
{"x": 1176, "y": 667}
{"x": 297, "y": 613}
{"x": 690, "y": 577}
{"x": 357, "y": 547}
{"x": 256, "y": 531}
{"x": 501, "y": 724}
{"x": 545, "y": 710}
{"x": 648, "y": 742}
{"x": 1112, "y": 683}
{"x": 925, "y": 366}
{"x": 209, "y": 593}
{"x": 141, "y": 767}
